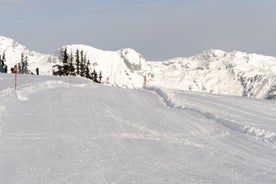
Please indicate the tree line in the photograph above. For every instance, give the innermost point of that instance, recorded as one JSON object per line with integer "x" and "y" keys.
{"x": 76, "y": 64}
{"x": 3, "y": 66}
{"x": 22, "y": 67}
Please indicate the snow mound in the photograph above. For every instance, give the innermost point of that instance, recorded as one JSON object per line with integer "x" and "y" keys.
{"x": 266, "y": 136}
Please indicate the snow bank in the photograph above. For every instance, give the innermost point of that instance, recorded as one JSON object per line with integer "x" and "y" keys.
{"x": 163, "y": 96}
{"x": 172, "y": 104}
{"x": 265, "y": 136}
{"x": 6, "y": 92}
{"x": 24, "y": 91}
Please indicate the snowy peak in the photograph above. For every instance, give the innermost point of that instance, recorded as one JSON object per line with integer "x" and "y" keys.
{"x": 13, "y": 51}
{"x": 132, "y": 59}
{"x": 8, "y": 43}
{"x": 210, "y": 54}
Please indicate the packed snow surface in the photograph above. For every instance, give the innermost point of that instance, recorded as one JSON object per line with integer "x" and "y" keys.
{"x": 54, "y": 131}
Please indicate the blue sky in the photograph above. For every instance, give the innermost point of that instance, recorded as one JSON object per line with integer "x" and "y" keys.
{"x": 157, "y": 29}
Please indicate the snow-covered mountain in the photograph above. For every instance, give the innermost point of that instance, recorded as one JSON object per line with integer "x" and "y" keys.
{"x": 219, "y": 72}
{"x": 213, "y": 71}
{"x": 121, "y": 68}
{"x": 13, "y": 51}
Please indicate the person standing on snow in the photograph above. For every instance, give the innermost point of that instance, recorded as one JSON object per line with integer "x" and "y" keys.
{"x": 37, "y": 71}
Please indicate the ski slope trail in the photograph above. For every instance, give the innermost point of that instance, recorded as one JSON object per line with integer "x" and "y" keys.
{"x": 53, "y": 131}
{"x": 235, "y": 113}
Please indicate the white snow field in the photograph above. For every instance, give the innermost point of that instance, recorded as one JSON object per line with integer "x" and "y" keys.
{"x": 54, "y": 132}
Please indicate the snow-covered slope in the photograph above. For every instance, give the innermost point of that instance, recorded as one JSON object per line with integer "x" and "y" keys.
{"x": 13, "y": 51}
{"x": 120, "y": 68}
{"x": 55, "y": 132}
{"x": 213, "y": 71}
{"x": 219, "y": 72}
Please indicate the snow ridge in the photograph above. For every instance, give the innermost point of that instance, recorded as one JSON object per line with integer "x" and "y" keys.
{"x": 25, "y": 90}
{"x": 168, "y": 102}
{"x": 6, "y": 92}
{"x": 263, "y": 135}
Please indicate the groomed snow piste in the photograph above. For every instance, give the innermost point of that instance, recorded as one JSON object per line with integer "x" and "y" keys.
{"x": 53, "y": 131}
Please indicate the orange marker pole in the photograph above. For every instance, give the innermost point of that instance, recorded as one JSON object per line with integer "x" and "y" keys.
{"x": 145, "y": 80}
{"x": 15, "y": 76}
{"x": 15, "y": 79}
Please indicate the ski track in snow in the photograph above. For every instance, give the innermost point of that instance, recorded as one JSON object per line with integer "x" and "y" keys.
{"x": 264, "y": 135}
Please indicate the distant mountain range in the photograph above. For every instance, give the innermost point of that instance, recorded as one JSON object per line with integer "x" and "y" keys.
{"x": 213, "y": 71}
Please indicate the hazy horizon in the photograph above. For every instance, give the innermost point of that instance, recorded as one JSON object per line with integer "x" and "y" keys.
{"x": 157, "y": 29}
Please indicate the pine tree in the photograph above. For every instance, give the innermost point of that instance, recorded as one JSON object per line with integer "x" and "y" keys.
{"x": 82, "y": 64}
{"x": 65, "y": 59}
{"x": 23, "y": 65}
{"x": 4, "y": 57}
{"x": 87, "y": 70}
{"x": 77, "y": 62}
{"x": 94, "y": 76}
{"x": 1, "y": 65}
{"x": 100, "y": 77}
{"x": 64, "y": 68}
{"x": 2, "y": 60}
{"x": 20, "y": 66}
{"x": 71, "y": 65}
{"x": 26, "y": 66}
